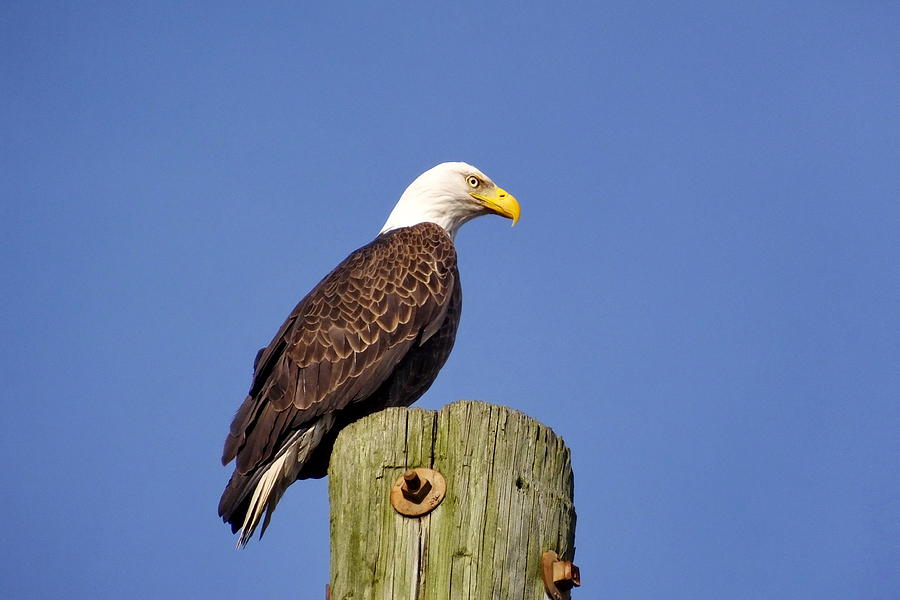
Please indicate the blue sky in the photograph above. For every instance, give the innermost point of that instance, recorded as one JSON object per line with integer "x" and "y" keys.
{"x": 702, "y": 296}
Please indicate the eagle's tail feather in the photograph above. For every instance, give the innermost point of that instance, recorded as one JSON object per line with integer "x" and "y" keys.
{"x": 247, "y": 497}
{"x": 268, "y": 491}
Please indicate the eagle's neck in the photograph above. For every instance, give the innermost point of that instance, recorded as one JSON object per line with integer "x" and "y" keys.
{"x": 416, "y": 207}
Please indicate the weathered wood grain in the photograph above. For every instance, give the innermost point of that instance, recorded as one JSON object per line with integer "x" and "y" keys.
{"x": 509, "y": 498}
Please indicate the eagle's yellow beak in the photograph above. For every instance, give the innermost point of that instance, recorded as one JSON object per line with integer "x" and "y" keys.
{"x": 499, "y": 201}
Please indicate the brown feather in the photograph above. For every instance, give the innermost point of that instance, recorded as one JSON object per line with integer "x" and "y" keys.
{"x": 373, "y": 333}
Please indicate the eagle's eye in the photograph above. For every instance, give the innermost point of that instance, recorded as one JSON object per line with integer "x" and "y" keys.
{"x": 473, "y": 181}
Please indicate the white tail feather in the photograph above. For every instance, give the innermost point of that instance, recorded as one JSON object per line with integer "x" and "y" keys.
{"x": 281, "y": 473}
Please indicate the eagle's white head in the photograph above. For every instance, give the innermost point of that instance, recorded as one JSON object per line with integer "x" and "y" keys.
{"x": 451, "y": 194}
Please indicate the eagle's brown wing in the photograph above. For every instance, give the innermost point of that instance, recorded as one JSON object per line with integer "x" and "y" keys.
{"x": 362, "y": 339}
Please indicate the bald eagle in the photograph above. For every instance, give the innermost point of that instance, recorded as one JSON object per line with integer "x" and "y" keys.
{"x": 372, "y": 334}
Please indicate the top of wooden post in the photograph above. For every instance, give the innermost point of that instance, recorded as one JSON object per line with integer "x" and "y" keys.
{"x": 509, "y": 489}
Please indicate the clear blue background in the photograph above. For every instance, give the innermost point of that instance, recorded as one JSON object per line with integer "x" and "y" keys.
{"x": 702, "y": 298}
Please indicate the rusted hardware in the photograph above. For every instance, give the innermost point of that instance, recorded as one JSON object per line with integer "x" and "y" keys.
{"x": 418, "y": 492}
{"x": 559, "y": 576}
{"x": 414, "y": 488}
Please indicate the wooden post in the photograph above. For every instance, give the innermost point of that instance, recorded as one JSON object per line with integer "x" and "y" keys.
{"x": 508, "y": 499}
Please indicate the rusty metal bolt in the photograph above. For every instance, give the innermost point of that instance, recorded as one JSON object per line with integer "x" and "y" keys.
{"x": 418, "y": 491}
{"x": 413, "y": 488}
{"x": 559, "y": 576}
{"x": 566, "y": 575}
